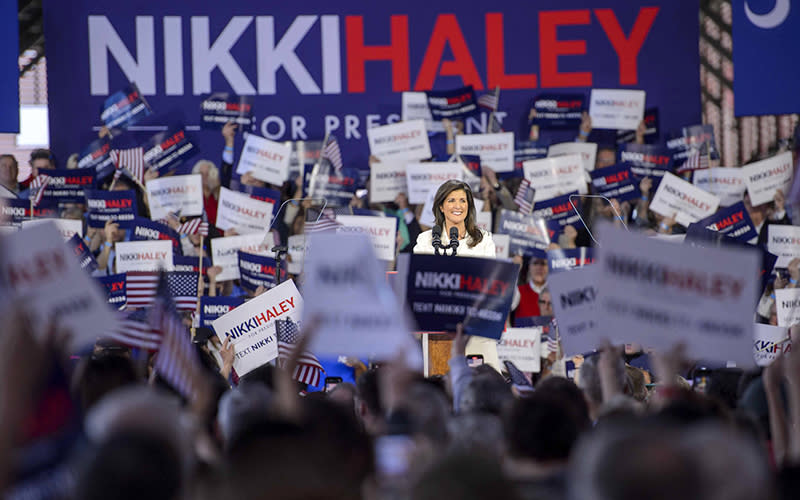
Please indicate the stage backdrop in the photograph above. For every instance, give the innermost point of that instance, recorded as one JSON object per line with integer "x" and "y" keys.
{"x": 315, "y": 65}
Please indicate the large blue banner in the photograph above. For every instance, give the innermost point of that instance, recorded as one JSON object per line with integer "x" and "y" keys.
{"x": 314, "y": 67}
{"x": 763, "y": 32}
{"x": 9, "y": 67}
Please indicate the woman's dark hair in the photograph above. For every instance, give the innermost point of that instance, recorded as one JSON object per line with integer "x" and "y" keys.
{"x": 442, "y": 193}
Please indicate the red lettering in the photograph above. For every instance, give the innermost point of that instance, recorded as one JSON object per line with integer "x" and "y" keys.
{"x": 496, "y": 58}
{"x": 290, "y": 300}
{"x": 447, "y": 31}
{"x": 261, "y": 318}
{"x": 627, "y": 48}
{"x": 358, "y": 53}
{"x": 550, "y": 48}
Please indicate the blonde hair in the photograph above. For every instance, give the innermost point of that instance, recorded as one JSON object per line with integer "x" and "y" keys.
{"x": 213, "y": 172}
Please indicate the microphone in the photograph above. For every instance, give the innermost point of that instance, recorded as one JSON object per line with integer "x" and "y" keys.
{"x": 437, "y": 239}
{"x": 453, "y": 240}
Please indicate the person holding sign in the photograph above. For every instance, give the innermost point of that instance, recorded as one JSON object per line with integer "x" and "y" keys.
{"x": 455, "y": 214}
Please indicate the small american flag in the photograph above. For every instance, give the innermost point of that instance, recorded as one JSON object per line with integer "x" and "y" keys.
{"x": 490, "y": 100}
{"x": 332, "y": 153}
{"x": 141, "y": 287}
{"x": 326, "y": 222}
{"x": 133, "y": 330}
{"x": 524, "y": 197}
{"x": 697, "y": 159}
{"x": 37, "y": 186}
{"x": 177, "y": 361}
{"x": 198, "y": 225}
{"x": 182, "y": 287}
{"x": 518, "y": 379}
{"x": 132, "y": 159}
{"x": 308, "y": 368}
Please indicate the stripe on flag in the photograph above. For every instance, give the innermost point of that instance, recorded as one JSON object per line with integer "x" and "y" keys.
{"x": 182, "y": 286}
{"x": 194, "y": 226}
{"x": 326, "y": 222}
{"x": 133, "y": 330}
{"x": 308, "y": 369}
{"x": 37, "y": 186}
{"x": 332, "y": 153}
{"x": 132, "y": 159}
{"x": 524, "y": 197}
{"x": 490, "y": 100}
{"x": 141, "y": 288}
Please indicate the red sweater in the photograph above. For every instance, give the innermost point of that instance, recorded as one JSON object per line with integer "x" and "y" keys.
{"x": 528, "y": 302}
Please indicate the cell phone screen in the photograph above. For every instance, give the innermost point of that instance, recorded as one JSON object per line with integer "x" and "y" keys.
{"x": 331, "y": 382}
{"x": 474, "y": 360}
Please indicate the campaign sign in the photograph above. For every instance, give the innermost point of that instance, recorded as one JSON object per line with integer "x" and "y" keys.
{"x": 587, "y": 150}
{"x": 386, "y": 181}
{"x": 212, "y": 308}
{"x": 256, "y": 270}
{"x": 414, "y": 106}
{"x": 473, "y": 165}
{"x": 501, "y": 244}
{"x": 769, "y": 342}
{"x": 422, "y": 178}
{"x": 225, "y": 252}
{"x": 557, "y": 110}
{"x": 616, "y": 181}
{"x": 68, "y": 185}
{"x": 124, "y": 108}
{"x": 558, "y": 209}
{"x": 97, "y": 156}
{"x": 190, "y": 264}
{"x": 38, "y": 269}
{"x": 556, "y": 176}
{"x": 787, "y": 305}
{"x": 765, "y": 177}
{"x": 616, "y": 109}
{"x": 566, "y": 259}
{"x": 67, "y": 227}
{"x": 265, "y": 160}
{"x": 455, "y": 104}
{"x": 17, "y": 209}
{"x": 260, "y": 193}
{"x": 783, "y": 241}
{"x": 658, "y": 294}
{"x": 179, "y": 194}
{"x": 382, "y": 232}
{"x": 651, "y": 131}
{"x": 144, "y": 229}
{"x": 646, "y": 160}
{"x": 575, "y": 295}
{"x": 528, "y": 233}
{"x": 399, "y": 141}
{"x": 169, "y": 149}
{"x": 297, "y": 253}
{"x": 675, "y": 196}
{"x": 241, "y": 212}
{"x": 477, "y": 292}
{"x": 116, "y": 287}
{"x": 697, "y": 135}
{"x": 337, "y": 187}
{"x": 725, "y": 182}
{"x": 523, "y": 347}
{"x": 346, "y": 289}
{"x": 222, "y": 107}
{"x": 82, "y": 252}
{"x": 143, "y": 256}
{"x": 733, "y": 221}
{"x": 117, "y": 206}
{"x": 495, "y": 150}
{"x": 251, "y": 326}
{"x": 526, "y": 150}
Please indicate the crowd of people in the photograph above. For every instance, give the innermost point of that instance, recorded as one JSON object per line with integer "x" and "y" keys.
{"x": 626, "y": 423}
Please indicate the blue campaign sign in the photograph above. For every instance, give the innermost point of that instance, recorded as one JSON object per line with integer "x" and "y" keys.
{"x": 455, "y": 104}
{"x": 167, "y": 150}
{"x": 733, "y": 221}
{"x": 116, "y": 286}
{"x": 223, "y": 107}
{"x": 9, "y": 67}
{"x": 523, "y": 151}
{"x": 317, "y": 67}
{"x": 564, "y": 259}
{"x": 473, "y": 164}
{"x": 256, "y": 270}
{"x": 337, "y": 188}
{"x": 118, "y": 206}
{"x": 647, "y": 160}
{"x": 558, "y": 209}
{"x": 69, "y": 185}
{"x": 528, "y": 233}
{"x": 212, "y": 308}
{"x": 97, "y": 155}
{"x": 763, "y": 31}
{"x": 190, "y": 264}
{"x": 19, "y": 209}
{"x": 445, "y": 291}
{"x": 615, "y": 181}
{"x": 82, "y": 252}
{"x": 146, "y": 229}
{"x": 557, "y": 110}
{"x": 124, "y": 108}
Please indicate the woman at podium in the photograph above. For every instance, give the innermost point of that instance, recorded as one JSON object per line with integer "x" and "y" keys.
{"x": 454, "y": 212}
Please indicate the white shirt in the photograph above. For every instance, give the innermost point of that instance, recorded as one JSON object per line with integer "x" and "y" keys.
{"x": 483, "y": 249}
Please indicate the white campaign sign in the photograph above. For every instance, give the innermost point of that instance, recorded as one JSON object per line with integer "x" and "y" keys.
{"x": 423, "y": 178}
{"x": 523, "y": 347}
{"x": 616, "y": 109}
{"x": 67, "y": 227}
{"x": 241, "y": 212}
{"x": 297, "y": 253}
{"x": 658, "y": 294}
{"x": 143, "y": 255}
{"x": 783, "y": 241}
{"x": 400, "y": 141}
{"x": 676, "y": 196}
{"x": 181, "y": 194}
{"x": 382, "y": 232}
{"x": 224, "y": 252}
{"x": 414, "y": 106}
{"x": 787, "y": 305}
{"x": 725, "y": 182}
{"x": 556, "y": 176}
{"x": 386, "y": 181}
{"x": 587, "y": 150}
{"x": 765, "y": 177}
{"x": 40, "y": 270}
{"x": 574, "y": 294}
{"x": 496, "y": 150}
{"x": 346, "y": 288}
{"x": 427, "y": 218}
{"x": 251, "y": 326}
{"x": 501, "y": 243}
{"x": 769, "y": 342}
{"x": 265, "y": 160}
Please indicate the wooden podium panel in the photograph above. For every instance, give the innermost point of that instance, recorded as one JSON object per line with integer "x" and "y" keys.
{"x": 438, "y": 353}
